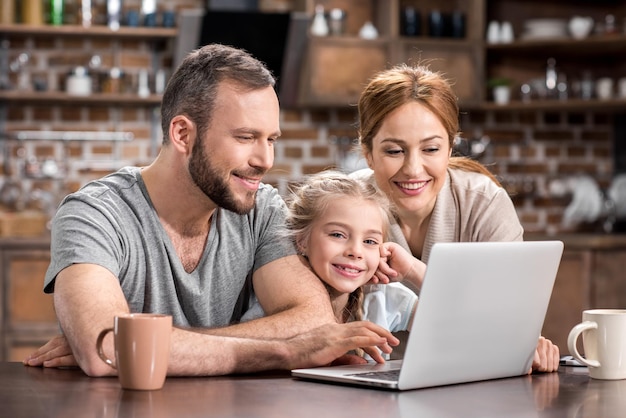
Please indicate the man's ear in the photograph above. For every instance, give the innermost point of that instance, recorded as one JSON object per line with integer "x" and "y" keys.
{"x": 182, "y": 133}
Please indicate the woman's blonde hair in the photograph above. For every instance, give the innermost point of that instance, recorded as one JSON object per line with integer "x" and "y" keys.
{"x": 309, "y": 200}
{"x": 394, "y": 87}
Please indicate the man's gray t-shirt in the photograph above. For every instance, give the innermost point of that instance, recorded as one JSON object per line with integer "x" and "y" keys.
{"x": 111, "y": 222}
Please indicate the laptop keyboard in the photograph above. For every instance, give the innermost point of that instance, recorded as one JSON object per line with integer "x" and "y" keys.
{"x": 388, "y": 375}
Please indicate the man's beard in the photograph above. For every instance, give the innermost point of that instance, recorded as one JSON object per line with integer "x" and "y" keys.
{"x": 209, "y": 180}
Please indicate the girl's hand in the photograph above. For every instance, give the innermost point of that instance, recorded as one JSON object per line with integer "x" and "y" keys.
{"x": 398, "y": 265}
{"x": 384, "y": 274}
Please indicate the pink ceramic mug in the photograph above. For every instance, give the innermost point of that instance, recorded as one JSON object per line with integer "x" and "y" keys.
{"x": 142, "y": 348}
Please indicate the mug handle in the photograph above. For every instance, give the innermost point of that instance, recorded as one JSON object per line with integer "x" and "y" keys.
{"x": 573, "y": 337}
{"x": 103, "y": 356}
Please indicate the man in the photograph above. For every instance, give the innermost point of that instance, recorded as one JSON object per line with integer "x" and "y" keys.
{"x": 192, "y": 235}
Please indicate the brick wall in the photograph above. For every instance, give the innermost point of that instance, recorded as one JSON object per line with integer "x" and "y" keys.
{"x": 533, "y": 151}
{"x": 529, "y": 150}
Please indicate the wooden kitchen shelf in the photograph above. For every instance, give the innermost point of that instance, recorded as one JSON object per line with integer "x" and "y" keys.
{"x": 92, "y": 31}
{"x": 593, "y": 45}
{"x": 524, "y": 61}
{"x": 611, "y": 105}
{"x": 122, "y": 99}
{"x": 336, "y": 68}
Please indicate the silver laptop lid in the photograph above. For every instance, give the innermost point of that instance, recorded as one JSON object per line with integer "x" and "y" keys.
{"x": 481, "y": 311}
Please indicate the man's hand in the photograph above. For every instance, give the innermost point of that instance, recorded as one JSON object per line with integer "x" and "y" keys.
{"x": 546, "y": 357}
{"x": 329, "y": 342}
{"x": 55, "y": 353}
{"x": 348, "y": 359}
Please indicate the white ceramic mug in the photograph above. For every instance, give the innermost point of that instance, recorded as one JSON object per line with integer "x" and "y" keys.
{"x": 506, "y": 33}
{"x": 604, "y": 342}
{"x": 493, "y": 32}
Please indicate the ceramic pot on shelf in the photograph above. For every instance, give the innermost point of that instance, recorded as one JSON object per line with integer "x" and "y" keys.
{"x": 501, "y": 94}
{"x": 580, "y": 26}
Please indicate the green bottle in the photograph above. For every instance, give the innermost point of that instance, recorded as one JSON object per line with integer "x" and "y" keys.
{"x": 56, "y": 12}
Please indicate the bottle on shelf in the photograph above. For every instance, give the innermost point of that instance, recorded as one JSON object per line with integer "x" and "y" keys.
{"x": 337, "y": 24}
{"x": 7, "y": 12}
{"x": 143, "y": 89}
{"x": 85, "y": 13}
{"x": 32, "y": 12}
{"x": 56, "y": 12}
{"x": 113, "y": 81}
{"x": 149, "y": 12}
{"x": 586, "y": 85}
{"x": 410, "y": 22}
{"x": 551, "y": 79}
{"x": 562, "y": 87}
{"x": 319, "y": 27}
{"x": 114, "y": 14}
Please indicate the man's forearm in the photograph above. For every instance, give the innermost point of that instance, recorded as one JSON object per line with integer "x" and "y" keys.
{"x": 195, "y": 354}
{"x": 262, "y": 344}
{"x": 199, "y": 354}
{"x": 284, "y": 324}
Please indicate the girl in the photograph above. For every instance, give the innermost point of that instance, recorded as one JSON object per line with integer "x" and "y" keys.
{"x": 339, "y": 224}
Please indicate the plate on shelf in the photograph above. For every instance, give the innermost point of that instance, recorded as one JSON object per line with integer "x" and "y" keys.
{"x": 545, "y": 23}
{"x": 526, "y": 36}
{"x": 545, "y": 29}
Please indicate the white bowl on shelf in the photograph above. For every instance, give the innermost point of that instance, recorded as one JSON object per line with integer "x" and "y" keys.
{"x": 580, "y": 26}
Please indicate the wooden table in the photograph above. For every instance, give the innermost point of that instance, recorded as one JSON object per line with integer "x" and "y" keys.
{"x": 36, "y": 392}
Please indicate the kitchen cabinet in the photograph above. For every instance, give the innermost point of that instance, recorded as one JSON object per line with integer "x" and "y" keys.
{"x": 34, "y": 105}
{"x": 337, "y": 70}
{"x": 524, "y": 61}
{"x": 460, "y": 59}
{"x": 28, "y": 317}
{"x": 18, "y": 38}
{"x": 591, "y": 275}
{"x": 337, "y": 67}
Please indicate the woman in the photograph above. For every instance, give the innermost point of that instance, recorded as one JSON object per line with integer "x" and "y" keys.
{"x": 408, "y": 119}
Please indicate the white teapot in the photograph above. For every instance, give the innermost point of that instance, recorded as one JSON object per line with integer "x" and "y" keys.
{"x": 580, "y": 26}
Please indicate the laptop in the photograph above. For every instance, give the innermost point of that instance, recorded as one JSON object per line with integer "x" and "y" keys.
{"x": 479, "y": 317}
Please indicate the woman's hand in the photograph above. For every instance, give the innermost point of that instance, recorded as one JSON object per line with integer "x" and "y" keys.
{"x": 547, "y": 357}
